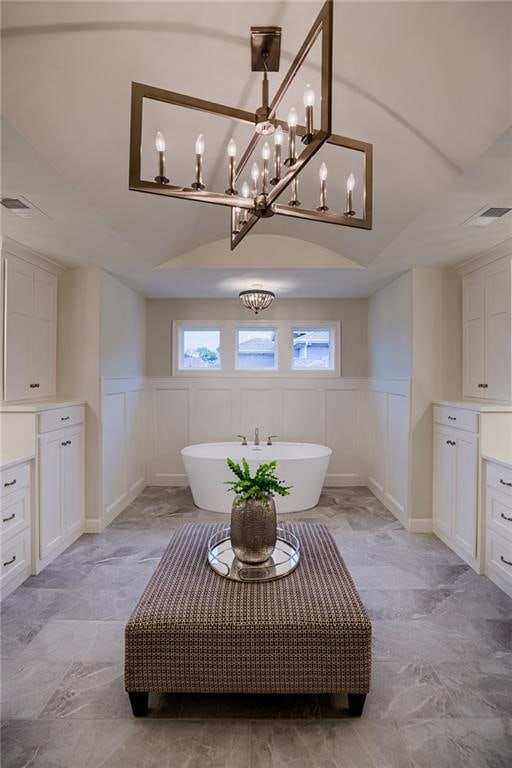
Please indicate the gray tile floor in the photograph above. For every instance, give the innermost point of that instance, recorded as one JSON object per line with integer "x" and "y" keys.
{"x": 442, "y": 673}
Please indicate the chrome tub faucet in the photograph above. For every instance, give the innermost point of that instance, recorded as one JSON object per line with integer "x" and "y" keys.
{"x": 256, "y": 436}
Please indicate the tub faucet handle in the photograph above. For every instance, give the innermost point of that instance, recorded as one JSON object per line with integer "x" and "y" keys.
{"x": 243, "y": 439}
{"x": 270, "y": 438}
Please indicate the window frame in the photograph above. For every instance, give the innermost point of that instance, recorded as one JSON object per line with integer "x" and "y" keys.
{"x": 253, "y": 327}
{"x": 228, "y": 349}
{"x": 333, "y": 347}
{"x": 178, "y": 346}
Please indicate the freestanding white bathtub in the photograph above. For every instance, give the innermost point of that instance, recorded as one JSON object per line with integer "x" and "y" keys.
{"x": 301, "y": 465}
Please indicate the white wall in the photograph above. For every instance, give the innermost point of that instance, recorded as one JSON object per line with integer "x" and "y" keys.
{"x": 122, "y": 329}
{"x": 78, "y": 365}
{"x": 390, "y": 330}
{"x": 352, "y": 314}
{"x": 101, "y": 333}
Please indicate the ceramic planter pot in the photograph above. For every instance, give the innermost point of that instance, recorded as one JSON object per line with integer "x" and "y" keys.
{"x": 253, "y": 529}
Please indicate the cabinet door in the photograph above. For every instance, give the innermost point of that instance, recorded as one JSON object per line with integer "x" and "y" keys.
{"x": 474, "y": 334}
{"x": 44, "y": 333}
{"x": 444, "y": 479}
{"x": 50, "y": 492}
{"x": 73, "y": 479}
{"x": 19, "y": 300}
{"x": 497, "y": 332}
{"x": 465, "y": 509}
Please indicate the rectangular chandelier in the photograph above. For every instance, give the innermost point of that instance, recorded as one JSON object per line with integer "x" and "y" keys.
{"x": 273, "y": 175}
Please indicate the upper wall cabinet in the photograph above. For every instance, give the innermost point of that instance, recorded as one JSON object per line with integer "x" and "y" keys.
{"x": 30, "y": 297}
{"x": 487, "y": 332}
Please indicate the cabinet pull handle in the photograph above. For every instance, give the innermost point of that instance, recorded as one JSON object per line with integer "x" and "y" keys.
{"x": 452, "y": 418}
{"x": 11, "y": 517}
{"x": 11, "y": 561}
{"x": 507, "y": 562}
{"x": 13, "y": 482}
{"x": 503, "y": 482}
{"x": 66, "y": 442}
{"x": 65, "y": 418}
{"x": 451, "y": 442}
{"x": 35, "y": 386}
{"x": 505, "y": 517}
{"x": 483, "y": 386}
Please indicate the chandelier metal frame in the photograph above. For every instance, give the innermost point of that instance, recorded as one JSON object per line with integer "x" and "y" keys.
{"x": 262, "y": 206}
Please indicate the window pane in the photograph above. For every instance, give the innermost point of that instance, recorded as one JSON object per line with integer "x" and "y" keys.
{"x": 312, "y": 349}
{"x": 256, "y": 348}
{"x": 200, "y": 349}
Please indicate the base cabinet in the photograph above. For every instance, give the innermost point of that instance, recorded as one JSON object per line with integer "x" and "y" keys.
{"x": 15, "y": 526}
{"x": 498, "y": 504}
{"x": 455, "y": 492}
{"x": 61, "y": 488}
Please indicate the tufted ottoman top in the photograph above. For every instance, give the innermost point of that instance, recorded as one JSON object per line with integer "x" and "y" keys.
{"x": 193, "y": 630}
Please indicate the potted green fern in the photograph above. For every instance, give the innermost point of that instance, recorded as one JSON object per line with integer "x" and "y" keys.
{"x": 253, "y": 515}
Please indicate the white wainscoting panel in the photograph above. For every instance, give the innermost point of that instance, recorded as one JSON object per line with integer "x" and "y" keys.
{"x": 124, "y": 446}
{"x": 388, "y": 443}
{"x": 316, "y": 410}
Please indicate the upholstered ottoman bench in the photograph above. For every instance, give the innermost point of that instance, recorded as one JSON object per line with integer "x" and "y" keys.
{"x": 194, "y": 631}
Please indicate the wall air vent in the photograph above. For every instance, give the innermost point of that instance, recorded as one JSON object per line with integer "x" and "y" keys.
{"x": 487, "y": 215}
{"x": 22, "y": 207}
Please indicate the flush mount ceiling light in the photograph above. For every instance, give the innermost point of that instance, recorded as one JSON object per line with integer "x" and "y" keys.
{"x": 250, "y": 203}
{"x": 256, "y": 298}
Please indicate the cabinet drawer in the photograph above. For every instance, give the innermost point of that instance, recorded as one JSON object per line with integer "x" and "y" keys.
{"x": 15, "y": 512}
{"x": 499, "y": 556}
{"x": 15, "y": 556}
{"x": 60, "y": 417}
{"x": 456, "y": 417}
{"x": 500, "y": 478}
{"x": 14, "y": 478}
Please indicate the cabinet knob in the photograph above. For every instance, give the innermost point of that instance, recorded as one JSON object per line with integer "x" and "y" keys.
{"x": 504, "y": 482}
{"x": 12, "y": 560}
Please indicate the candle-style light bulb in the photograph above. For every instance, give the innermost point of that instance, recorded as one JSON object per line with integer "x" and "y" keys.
{"x": 292, "y": 132}
{"x": 255, "y": 175}
{"x": 322, "y": 173}
{"x": 349, "y": 208}
{"x": 199, "y": 147}
{"x": 295, "y": 202}
{"x": 231, "y": 150}
{"x": 160, "y": 148}
{"x": 309, "y": 96}
{"x": 159, "y": 142}
{"x": 278, "y": 141}
{"x": 246, "y": 193}
{"x": 265, "y": 154}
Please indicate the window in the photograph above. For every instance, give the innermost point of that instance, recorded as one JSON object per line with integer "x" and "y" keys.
{"x": 313, "y": 349}
{"x": 199, "y": 349}
{"x": 256, "y": 349}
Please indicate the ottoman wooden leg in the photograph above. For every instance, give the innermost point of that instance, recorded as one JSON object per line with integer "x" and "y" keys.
{"x": 356, "y": 704}
{"x": 139, "y": 702}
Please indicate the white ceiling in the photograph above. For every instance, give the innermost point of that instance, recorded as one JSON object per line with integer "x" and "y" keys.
{"x": 428, "y": 84}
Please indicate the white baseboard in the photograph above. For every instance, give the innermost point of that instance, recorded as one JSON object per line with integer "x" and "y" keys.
{"x": 168, "y": 480}
{"x": 343, "y": 481}
{"x": 122, "y": 502}
{"x": 420, "y": 525}
{"x": 92, "y": 526}
{"x": 389, "y": 502}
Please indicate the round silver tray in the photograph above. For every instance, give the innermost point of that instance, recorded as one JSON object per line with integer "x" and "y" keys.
{"x": 282, "y": 561}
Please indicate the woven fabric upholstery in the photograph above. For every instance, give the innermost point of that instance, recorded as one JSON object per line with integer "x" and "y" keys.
{"x": 194, "y": 631}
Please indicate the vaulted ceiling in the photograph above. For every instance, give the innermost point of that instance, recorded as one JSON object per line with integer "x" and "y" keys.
{"x": 428, "y": 84}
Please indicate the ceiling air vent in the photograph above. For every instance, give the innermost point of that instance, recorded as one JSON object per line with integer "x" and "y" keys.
{"x": 22, "y": 207}
{"x": 487, "y": 215}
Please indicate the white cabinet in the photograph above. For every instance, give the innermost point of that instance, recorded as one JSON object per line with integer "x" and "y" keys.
{"x": 15, "y": 526}
{"x": 487, "y": 332}
{"x": 30, "y": 297}
{"x": 498, "y": 504}
{"x": 455, "y": 491}
{"x": 61, "y": 489}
